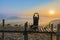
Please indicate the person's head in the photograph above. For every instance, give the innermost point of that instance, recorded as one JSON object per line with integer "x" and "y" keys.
{"x": 36, "y": 14}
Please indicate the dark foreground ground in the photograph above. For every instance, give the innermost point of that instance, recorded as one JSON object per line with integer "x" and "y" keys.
{"x": 20, "y": 36}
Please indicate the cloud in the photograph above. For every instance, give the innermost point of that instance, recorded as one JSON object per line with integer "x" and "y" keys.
{"x": 13, "y": 17}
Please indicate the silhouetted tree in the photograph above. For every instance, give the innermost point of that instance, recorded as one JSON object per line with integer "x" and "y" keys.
{"x": 19, "y": 25}
{"x": 8, "y": 24}
{"x": 16, "y": 25}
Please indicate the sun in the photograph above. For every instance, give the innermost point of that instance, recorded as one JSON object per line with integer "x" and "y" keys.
{"x": 51, "y": 12}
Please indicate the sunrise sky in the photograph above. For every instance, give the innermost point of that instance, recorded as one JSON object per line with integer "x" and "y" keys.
{"x": 17, "y": 11}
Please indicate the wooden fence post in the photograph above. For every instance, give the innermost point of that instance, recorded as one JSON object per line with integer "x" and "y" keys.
{"x": 25, "y": 31}
{"x": 58, "y": 32}
{"x": 3, "y": 24}
{"x": 51, "y": 31}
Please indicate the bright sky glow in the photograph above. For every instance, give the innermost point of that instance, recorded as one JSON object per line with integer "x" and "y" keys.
{"x": 52, "y": 12}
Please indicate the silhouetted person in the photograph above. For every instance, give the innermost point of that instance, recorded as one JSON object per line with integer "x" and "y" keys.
{"x": 35, "y": 20}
